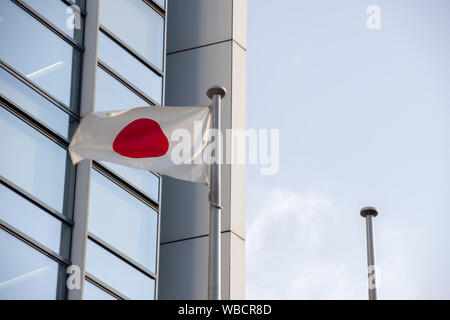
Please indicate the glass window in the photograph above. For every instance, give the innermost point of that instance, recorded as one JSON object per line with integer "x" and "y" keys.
{"x": 35, "y": 51}
{"x": 92, "y": 292}
{"x": 118, "y": 274}
{"x": 136, "y": 24}
{"x": 80, "y": 3}
{"x": 122, "y": 220}
{"x": 129, "y": 67}
{"x": 57, "y": 13}
{"x": 31, "y": 220}
{"x": 112, "y": 95}
{"x": 29, "y": 100}
{"x": 32, "y": 161}
{"x": 160, "y": 2}
{"x": 35, "y": 279}
{"x": 145, "y": 181}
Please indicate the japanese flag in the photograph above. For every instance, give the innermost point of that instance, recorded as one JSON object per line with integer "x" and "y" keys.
{"x": 146, "y": 138}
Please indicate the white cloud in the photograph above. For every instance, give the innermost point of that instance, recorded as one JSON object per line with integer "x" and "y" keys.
{"x": 312, "y": 246}
{"x": 299, "y": 247}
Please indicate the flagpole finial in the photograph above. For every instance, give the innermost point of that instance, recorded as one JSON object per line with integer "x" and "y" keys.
{"x": 216, "y": 90}
{"x": 369, "y": 211}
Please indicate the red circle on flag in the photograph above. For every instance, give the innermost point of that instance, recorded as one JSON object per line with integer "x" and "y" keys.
{"x": 142, "y": 138}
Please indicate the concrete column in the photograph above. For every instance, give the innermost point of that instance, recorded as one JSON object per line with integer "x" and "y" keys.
{"x": 206, "y": 45}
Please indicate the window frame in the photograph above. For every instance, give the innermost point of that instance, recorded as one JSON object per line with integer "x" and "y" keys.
{"x": 76, "y": 72}
{"x": 50, "y": 25}
{"x": 54, "y": 137}
{"x": 73, "y": 182}
{"x": 147, "y": 200}
{"x": 75, "y": 118}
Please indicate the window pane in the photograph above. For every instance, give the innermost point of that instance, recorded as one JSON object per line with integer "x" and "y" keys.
{"x": 35, "y": 51}
{"x": 55, "y": 12}
{"x": 160, "y": 2}
{"x": 122, "y": 220}
{"x": 136, "y": 24}
{"x": 118, "y": 274}
{"x": 92, "y": 292}
{"x": 32, "y": 161}
{"x": 112, "y": 95}
{"x": 35, "y": 279}
{"x": 143, "y": 180}
{"x": 130, "y": 68}
{"x": 25, "y": 97}
{"x": 31, "y": 220}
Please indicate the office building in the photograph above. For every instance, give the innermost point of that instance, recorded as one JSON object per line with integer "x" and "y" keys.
{"x": 127, "y": 233}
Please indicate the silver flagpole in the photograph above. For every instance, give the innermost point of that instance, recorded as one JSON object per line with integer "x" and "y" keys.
{"x": 369, "y": 213}
{"x": 215, "y": 93}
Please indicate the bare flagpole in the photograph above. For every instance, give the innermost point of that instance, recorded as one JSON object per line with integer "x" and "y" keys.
{"x": 369, "y": 213}
{"x": 216, "y": 94}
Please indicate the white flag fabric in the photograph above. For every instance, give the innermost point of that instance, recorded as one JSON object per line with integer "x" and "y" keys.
{"x": 142, "y": 138}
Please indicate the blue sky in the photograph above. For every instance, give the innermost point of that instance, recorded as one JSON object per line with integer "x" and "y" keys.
{"x": 364, "y": 120}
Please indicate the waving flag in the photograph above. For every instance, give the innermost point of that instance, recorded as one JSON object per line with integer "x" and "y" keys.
{"x": 146, "y": 138}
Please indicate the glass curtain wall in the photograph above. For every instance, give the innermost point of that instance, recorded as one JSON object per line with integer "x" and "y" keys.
{"x": 123, "y": 239}
{"x": 40, "y": 80}
{"x": 40, "y": 62}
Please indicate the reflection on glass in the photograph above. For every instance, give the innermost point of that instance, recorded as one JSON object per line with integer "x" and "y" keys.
{"x": 56, "y": 12}
{"x": 92, "y": 292}
{"x": 136, "y": 24}
{"x": 26, "y": 217}
{"x": 112, "y": 95}
{"x": 145, "y": 181}
{"x": 122, "y": 220}
{"x": 118, "y": 274}
{"x": 32, "y": 161}
{"x": 35, "y": 279}
{"x": 29, "y": 100}
{"x": 130, "y": 68}
{"x": 35, "y": 51}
